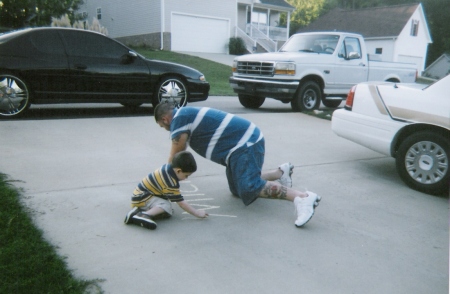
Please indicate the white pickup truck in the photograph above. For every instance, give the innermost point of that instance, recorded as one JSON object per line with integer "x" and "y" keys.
{"x": 310, "y": 68}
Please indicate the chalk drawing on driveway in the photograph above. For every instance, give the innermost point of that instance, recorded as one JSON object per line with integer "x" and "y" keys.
{"x": 197, "y": 200}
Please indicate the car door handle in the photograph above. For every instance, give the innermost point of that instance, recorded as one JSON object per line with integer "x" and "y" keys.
{"x": 80, "y": 66}
{"x": 362, "y": 64}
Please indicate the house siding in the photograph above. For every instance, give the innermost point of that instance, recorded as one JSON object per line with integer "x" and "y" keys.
{"x": 138, "y": 22}
{"x": 125, "y": 18}
{"x": 413, "y": 48}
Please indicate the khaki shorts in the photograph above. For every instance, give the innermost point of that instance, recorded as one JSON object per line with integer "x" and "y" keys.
{"x": 158, "y": 202}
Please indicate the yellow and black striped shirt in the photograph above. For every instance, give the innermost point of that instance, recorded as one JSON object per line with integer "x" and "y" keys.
{"x": 162, "y": 183}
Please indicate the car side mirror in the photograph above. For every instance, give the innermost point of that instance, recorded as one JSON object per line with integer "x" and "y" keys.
{"x": 353, "y": 55}
{"x": 128, "y": 58}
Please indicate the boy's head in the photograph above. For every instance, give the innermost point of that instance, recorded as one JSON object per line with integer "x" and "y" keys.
{"x": 184, "y": 164}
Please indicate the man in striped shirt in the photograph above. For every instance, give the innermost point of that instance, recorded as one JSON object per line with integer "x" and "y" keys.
{"x": 238, "y": 144}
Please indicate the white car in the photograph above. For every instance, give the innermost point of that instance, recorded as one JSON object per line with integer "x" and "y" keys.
{"x": 410, "y": 122}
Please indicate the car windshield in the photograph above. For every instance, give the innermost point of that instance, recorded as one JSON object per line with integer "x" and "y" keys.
{"x": 317, "y": 43}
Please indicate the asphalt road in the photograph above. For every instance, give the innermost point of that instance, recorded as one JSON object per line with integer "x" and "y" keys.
{"x": 371, "y": 234}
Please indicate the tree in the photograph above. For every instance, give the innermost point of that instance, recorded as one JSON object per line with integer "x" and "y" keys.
{"x": 23, "y": 13}
{"x": 305, "y": 12}
{"x": 438, "y": 17}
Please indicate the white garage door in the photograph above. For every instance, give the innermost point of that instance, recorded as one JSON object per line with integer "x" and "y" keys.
{"x": 199, "y": 34}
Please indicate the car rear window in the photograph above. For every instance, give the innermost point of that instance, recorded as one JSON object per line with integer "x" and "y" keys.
{"x": 47, "y": 42}
{"x": 81, "y": 43}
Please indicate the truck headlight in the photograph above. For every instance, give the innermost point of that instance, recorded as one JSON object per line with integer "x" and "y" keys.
{"x": 234, "y": 66}
{"x": 283, "y": 68}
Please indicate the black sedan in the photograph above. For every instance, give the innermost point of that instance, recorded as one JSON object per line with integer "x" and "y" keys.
{"x": 61, "y": 65}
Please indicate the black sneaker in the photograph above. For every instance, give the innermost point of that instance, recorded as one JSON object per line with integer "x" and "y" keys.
{"x": 143, "y": 220}
{"x": 130, "y": 214}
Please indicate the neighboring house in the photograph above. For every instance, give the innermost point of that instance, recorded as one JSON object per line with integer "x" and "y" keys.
{"x": 196, "y": 25}
{"x": 439, "y": 68}
{"x": 392, "y": 33}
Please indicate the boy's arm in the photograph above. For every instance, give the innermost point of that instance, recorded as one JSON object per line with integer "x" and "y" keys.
{"x": 186, "y": 207}
{"x": 178, "y": 144}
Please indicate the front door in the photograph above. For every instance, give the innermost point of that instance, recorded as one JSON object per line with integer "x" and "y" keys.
{"x": 99, "y": 72}
{"x": 350, "y": 70}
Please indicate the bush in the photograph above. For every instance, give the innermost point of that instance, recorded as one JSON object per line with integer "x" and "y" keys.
{"x": 237, "y": 46}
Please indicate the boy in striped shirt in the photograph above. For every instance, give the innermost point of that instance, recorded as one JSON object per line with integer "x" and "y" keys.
{"x": 153, "y": 196}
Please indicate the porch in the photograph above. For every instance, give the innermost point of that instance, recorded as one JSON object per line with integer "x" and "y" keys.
{"x": 263, "y": 26}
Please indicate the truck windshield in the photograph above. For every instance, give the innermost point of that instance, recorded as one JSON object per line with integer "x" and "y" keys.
{"x": 317, "y": 43}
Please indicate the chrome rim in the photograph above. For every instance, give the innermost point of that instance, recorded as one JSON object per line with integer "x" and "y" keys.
{"x": 13, "y": 95}
{"x": 173, "y": 91}
{"x": 426, "y": 162}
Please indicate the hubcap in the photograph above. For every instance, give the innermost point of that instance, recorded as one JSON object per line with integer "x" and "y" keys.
{"x": 12, "y": 96}
{"x": 426, "y": 162}
{"x": 309, "y": 99}
{"x": 173, "y": 92}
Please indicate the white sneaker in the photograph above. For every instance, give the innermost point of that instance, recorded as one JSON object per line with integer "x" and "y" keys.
{"x": 287, "y": 169}
{"x": 305, "y": 208}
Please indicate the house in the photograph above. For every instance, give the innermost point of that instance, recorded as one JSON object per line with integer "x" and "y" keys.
{"x": 192, "y": 25}
{"x": 439, "y": 68}
{"x": 392, "y": 33}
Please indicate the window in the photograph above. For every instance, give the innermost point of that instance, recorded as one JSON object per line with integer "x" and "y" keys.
{"x": 350, "y": 45}
{"x": 379, "y": 51}
{"x": 259, "y": 17}
{"x": 414, "y": 27}
{"x": 99, "y": 13}
{"x": 47, "y": 42}
{"x": 85, "y": 44}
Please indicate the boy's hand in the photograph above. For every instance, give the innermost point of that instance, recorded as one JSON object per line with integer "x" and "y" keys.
{"x": 201, "y": 214}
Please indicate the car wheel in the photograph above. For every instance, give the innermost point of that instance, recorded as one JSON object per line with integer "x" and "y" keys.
{"x": 423, "y": 162}
{"x": 307, "y": 98}
{"x": 249, "y": 101}
{"x": 331, "y": 103}
{"x": 14, "y": 96}
{"x": 171, "y": 90}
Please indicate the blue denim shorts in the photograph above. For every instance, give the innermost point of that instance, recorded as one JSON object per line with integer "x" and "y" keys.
{"x": 244, "y": 172}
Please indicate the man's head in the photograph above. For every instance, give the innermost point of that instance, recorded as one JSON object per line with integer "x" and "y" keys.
{"x": 163, "y": 115}
{"x": 184, "y": 164}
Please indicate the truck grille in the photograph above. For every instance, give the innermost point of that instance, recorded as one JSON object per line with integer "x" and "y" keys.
{"x": 255, "y": 68}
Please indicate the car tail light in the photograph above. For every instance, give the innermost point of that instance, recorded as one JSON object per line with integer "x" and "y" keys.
{"x": 350, "y": 96}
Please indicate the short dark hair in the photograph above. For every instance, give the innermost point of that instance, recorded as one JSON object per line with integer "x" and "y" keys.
{"x": 162, "y": 109}
{"x": 185, "y": 161}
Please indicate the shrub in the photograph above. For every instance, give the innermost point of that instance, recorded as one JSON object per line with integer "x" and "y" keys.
{"x": 64, "y": 21}
{"x": 237, "y": 46}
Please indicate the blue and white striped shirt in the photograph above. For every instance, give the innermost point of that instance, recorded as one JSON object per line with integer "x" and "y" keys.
{"x": 214, "y": 134}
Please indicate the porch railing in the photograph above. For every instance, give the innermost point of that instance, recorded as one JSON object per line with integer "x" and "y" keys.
{"x": 262, "y": 38}
{"x": 249, "y": 42}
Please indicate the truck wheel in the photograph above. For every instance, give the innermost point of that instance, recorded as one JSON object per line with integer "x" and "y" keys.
{"x": 249, "y": 101}
{"x": 423, "y": 162}
{"x": 307, "y": 98}
{"x": 331, "y": 103}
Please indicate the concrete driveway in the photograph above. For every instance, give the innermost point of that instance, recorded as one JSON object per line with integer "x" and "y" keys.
{"x": 370, "y": 234}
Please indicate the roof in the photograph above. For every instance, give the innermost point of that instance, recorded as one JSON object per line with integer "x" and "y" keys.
{"x": 277, "y": 3}
{"x": 385, "y": 21}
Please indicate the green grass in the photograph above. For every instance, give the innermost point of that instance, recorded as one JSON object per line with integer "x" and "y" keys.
{"x": 28, "y": 264}
{"x": 216, "y": 74}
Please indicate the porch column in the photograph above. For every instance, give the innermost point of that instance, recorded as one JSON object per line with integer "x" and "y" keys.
{"x": 288, "y": 24}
